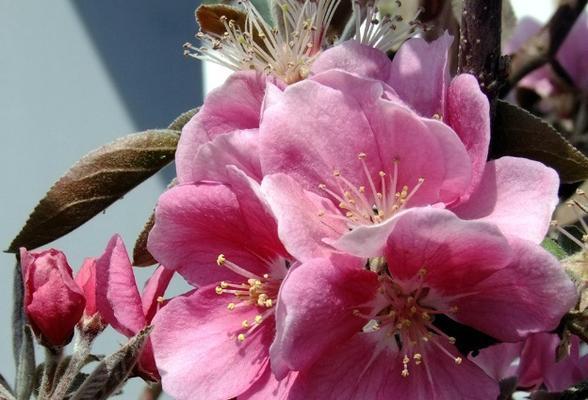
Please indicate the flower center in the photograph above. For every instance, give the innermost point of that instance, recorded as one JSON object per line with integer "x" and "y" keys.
{"x": 387, "y": 32}
{"x": 372, "y": 201}
{"x": 285, "y": 51}
{"x": 406, "y": 315}
{"x": 258, "y": 291}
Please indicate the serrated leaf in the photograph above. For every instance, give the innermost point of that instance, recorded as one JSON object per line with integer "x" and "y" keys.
{"x": 183, "y": 119}
{"x": 141, "y": 256}
{"x": 96, "y": 181}
{"x": 555, "y": 249}
{"x": 113, "y": 371}
{"x": 519, "y": 133}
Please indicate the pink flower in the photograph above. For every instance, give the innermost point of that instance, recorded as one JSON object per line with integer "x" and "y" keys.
{"x": 537, "y": 365}
{"x": 119, "y": 303}
{"x": 572, "y": 55}
{"x": 342, "y": 156}
{"x": 213, "y": 343}
{"x": 53, "y": 302}
{"x": 378, "y": 332}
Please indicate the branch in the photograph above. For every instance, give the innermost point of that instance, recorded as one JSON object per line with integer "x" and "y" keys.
{"x": 479, "y": 45}
{"x": 543, "y": 47}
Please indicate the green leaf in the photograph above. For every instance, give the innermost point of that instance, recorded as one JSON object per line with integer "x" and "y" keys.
{"x": 517, "y": 132}
{"x": 555, "y": 249}
{"x": 96, "y": 181}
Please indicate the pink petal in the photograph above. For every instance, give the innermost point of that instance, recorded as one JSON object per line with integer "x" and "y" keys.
{"x": 353, "y": 120}
{"x": 194, "y": 224}
{"x": 233, "y": 107}
{"x": 529, "y": 295}
{"x": 456, "y": 254}
{"x": 569, "y": 371}
{"x": 267, "y": 387}
{"x": 526, "y": 27}
{"x": 420, "y": 74}
{"x": 197, "y": 351}
{"x": 508, "y": 186}
{"x": 468, "y": 113}
{"x": 155, "y": 288}
{"x": 355, "y": 58}
{"x": 238, "y": 148}
{"x": 117, "y": 296}
{"x": 319, "y": 293}
{"x": 86, "y": 280}
{"x": 537, "y": 356}
{"x": 573, "y": 54}
{"x": 366, "y": 368}
{"x": 497, "y": 361}
{"x": 299, "y": 226}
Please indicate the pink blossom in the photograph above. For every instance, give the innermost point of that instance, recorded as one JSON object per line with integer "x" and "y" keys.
{"x": 53, "y": 302}
{"x": 373, "y": 333}
{"x": 342, "y": 155}
{"x": 213, "y": 343}
{"x": 572, "y": 55}
{"x": 537, "y": 365}
{"x": 119, "y": 303}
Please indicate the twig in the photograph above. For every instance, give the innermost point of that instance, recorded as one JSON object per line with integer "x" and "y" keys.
{"x": 52, "y": 359}
{"x": 479, "y": 45}
{"x": 543, "y": 47}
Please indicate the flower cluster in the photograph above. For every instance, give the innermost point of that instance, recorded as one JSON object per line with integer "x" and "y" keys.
{"x": 339, "y": 219}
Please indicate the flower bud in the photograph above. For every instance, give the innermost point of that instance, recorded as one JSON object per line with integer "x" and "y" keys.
{"x": 92, "y": 321}
{"x": 53, "y": 302}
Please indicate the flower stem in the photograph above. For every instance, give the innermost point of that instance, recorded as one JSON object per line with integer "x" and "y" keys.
{"x": 52, "y": 357}
{"x": 78, "y": 359}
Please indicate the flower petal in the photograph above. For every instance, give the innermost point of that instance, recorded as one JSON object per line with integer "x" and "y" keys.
{"x": 529, "y": 295}
{"x": 420, "y": 74}
{"x": 300, "y": 227}
{"x": 353, "y": 57}
{"x": 509, "y": 185}
{"x": 154, "y": 289}
{"x": 267, "y": 387}
{"x": 117, "y": 296}
{"x": 233, "y": 107}
{"x": 196, "y": 223}
{"x": 468, "y": 113}
{"x": 319, "y": 293}
{"x": 197, "y": 351}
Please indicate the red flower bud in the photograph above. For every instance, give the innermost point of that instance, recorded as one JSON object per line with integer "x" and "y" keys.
{"x": 53, "y": 302}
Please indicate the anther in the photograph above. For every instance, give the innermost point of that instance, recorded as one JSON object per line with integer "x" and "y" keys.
{"x": 220, "y": 260}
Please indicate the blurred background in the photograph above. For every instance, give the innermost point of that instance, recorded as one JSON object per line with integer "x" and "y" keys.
{"x": 75, "y": 74}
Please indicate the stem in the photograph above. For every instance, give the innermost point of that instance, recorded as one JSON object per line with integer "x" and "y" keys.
{"x": 543, "y": 47}
{"x": 52, "y": 358}
{"x": 479, "y": 45}
{"x": 78, "y": 359}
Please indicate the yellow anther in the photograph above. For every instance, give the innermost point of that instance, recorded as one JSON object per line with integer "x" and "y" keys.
{"x": 218, "y": 290}
{"x": 418, "y": 358}
{"x": 382, "y": 174}
{"x": 322, "y": 186}
{"x": 269, "y": 303}
{"x": 405, "y": 373}
{"x": 362, "y": 189}
{"x": 231, "y": 306}
{"x": 451, "y": 339}
{"x": 220, "y": 260}
{"x": 240, "y": 337}
{"x": 336, "y": 173}
{"x": 361, "y": 156}
{"x": 224, "y": 285}
{"x": 258, "y": 319}
{"x": 265, "y": 276}
{"x": 458, "y": 360}
{"x": 421, "y": 180}
{"x": 160, "y": 300}
{"x": 245, "y": 324}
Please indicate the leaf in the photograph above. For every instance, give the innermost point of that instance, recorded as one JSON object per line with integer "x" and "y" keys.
{"x": 18, "y": 315}
{"x": 96, "y": 181}
{"x": 183, "y": 119}
{"x": 555, "y": 249}
{"x": 519, "y": 133}
{"x": 262, "y": 6}
{"x": 141, "y": 256}
{"x": 25, "y": 374}
{"x": 113, "y": 371}
{"x": 5, "y": 390}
